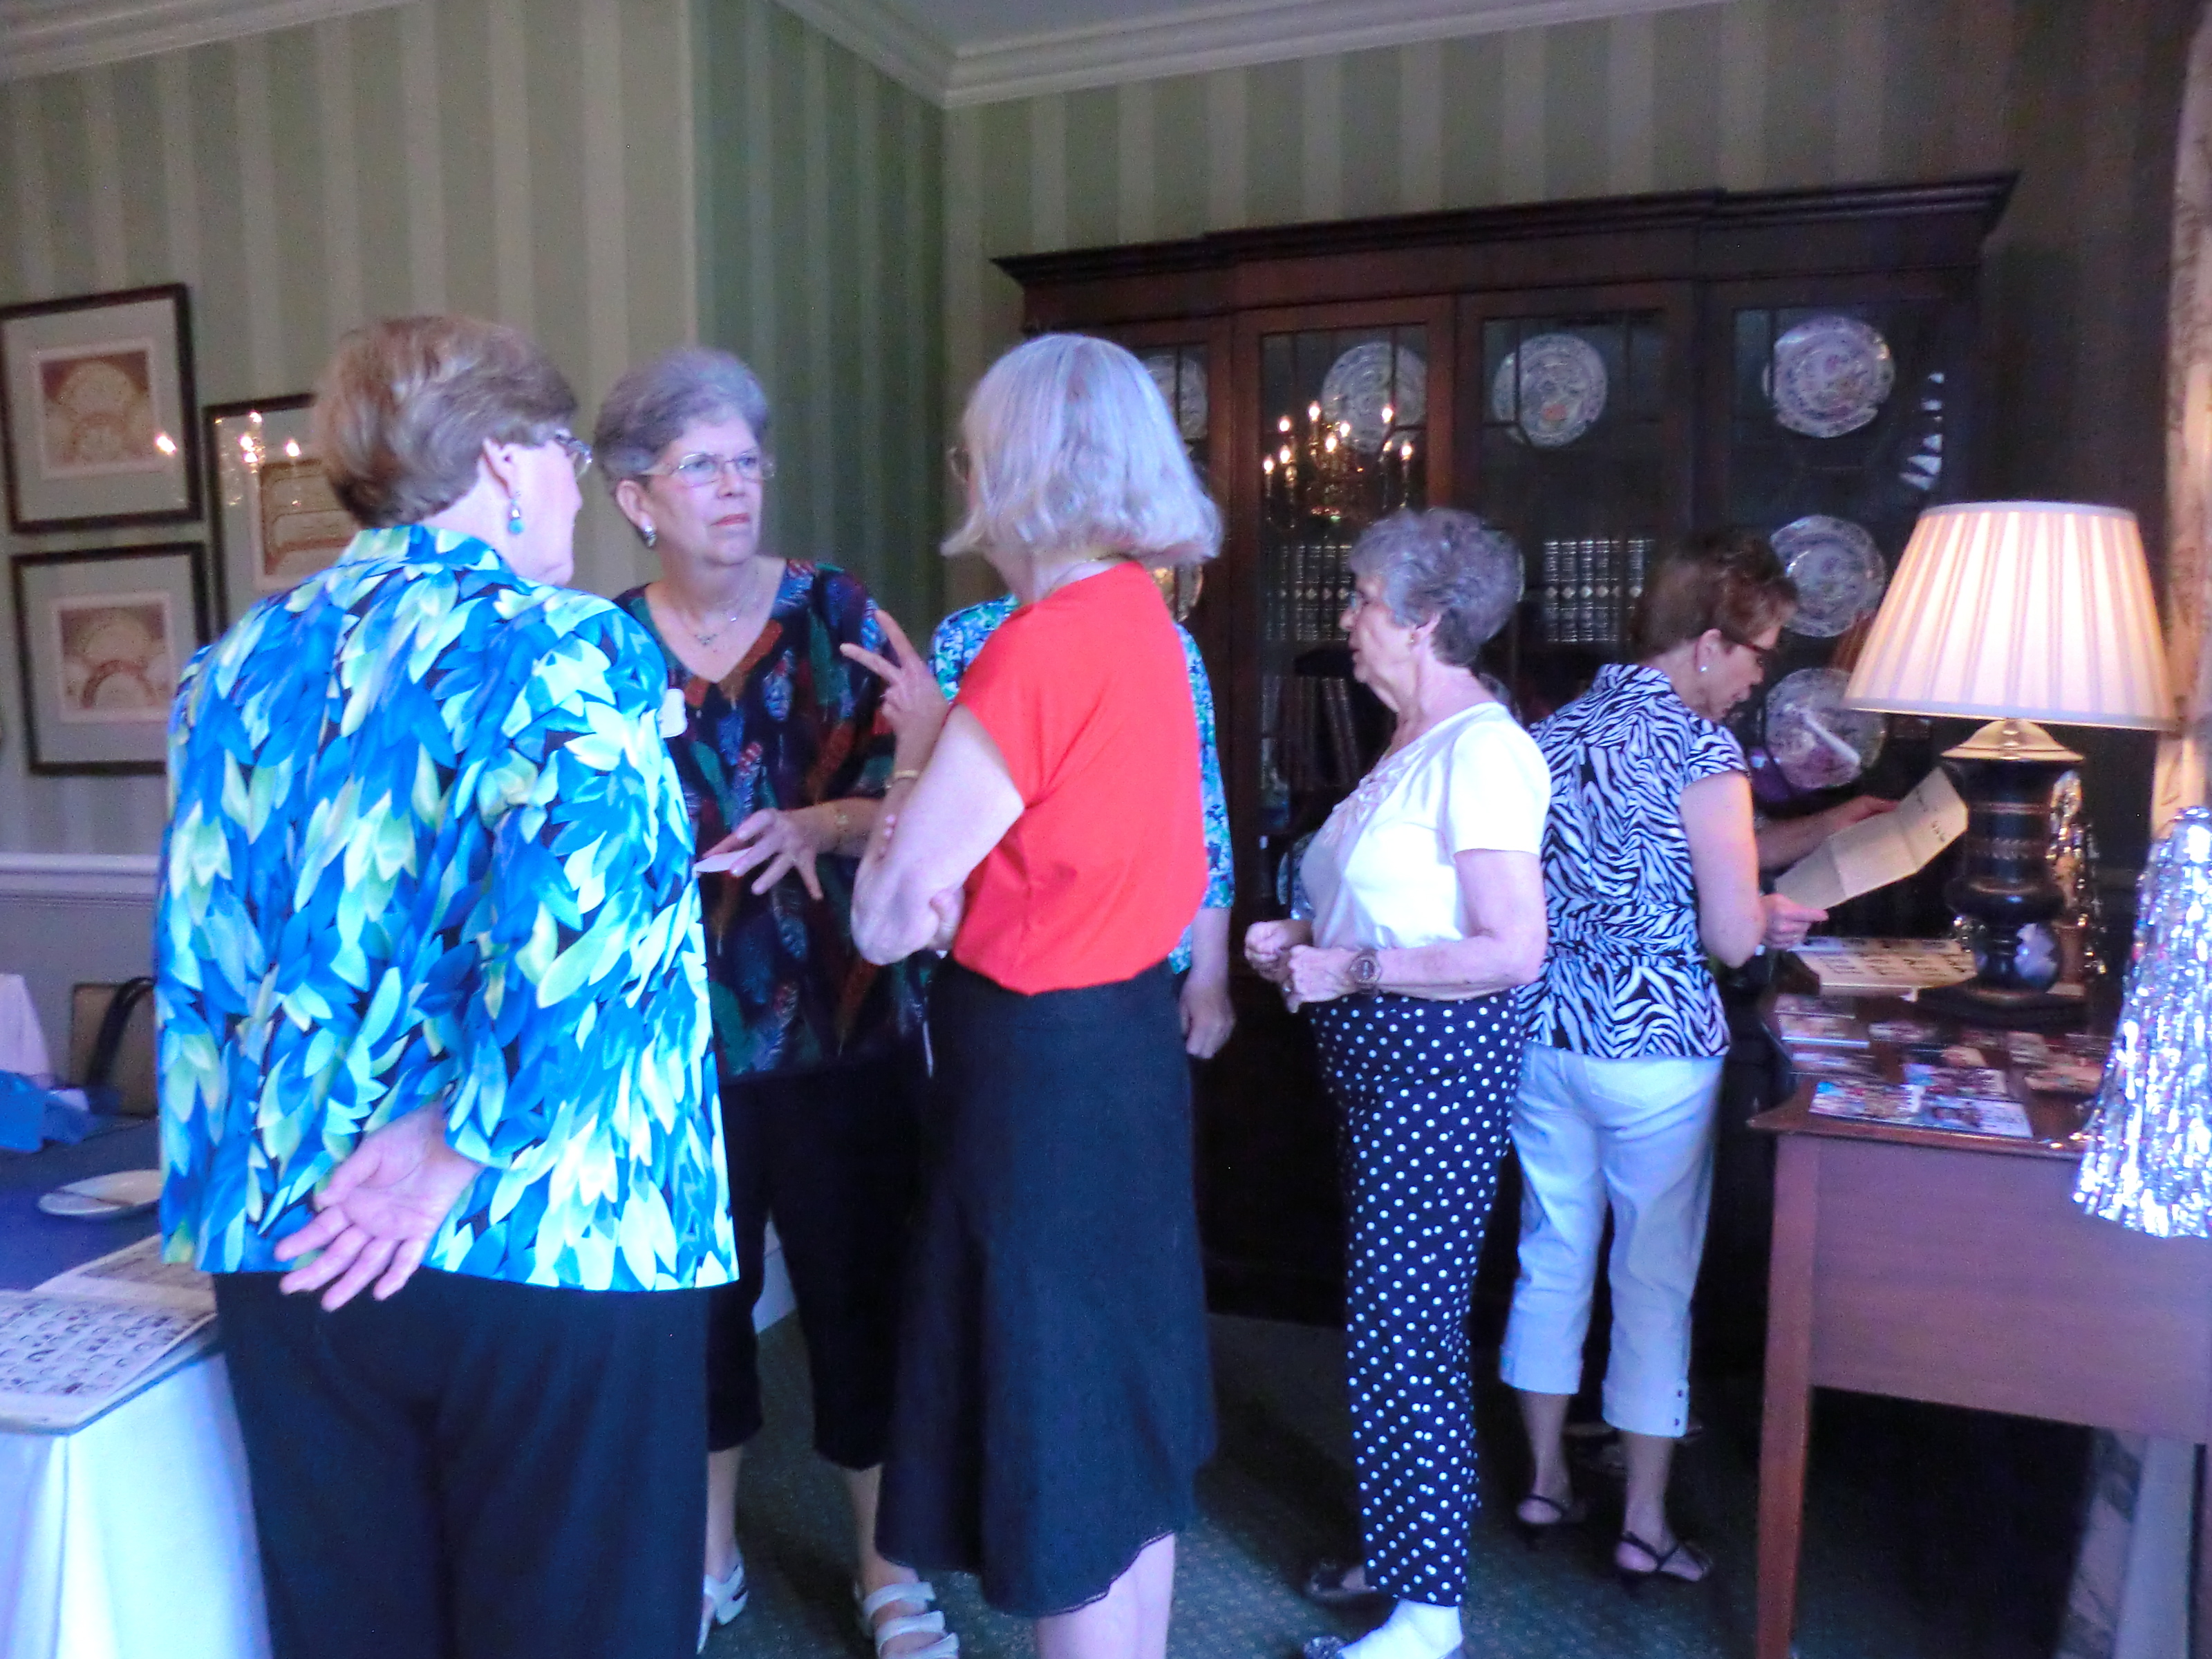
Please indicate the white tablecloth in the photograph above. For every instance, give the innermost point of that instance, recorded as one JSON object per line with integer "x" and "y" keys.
{"x": 22, "y": 1043}
{"x": 133, "y": 1537}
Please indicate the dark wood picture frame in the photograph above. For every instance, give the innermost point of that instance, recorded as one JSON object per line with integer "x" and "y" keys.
{"x": 28, "y": 516}
{"x": 44, "y": 755}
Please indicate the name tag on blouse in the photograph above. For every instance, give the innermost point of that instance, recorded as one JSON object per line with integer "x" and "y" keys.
{"x": 672, "y": 712}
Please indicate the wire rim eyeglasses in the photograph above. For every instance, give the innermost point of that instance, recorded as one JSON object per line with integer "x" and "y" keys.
{"x": 703, "y": 469}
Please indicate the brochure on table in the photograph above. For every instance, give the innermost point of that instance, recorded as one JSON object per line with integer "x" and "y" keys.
{"x": 89, "y": 1339}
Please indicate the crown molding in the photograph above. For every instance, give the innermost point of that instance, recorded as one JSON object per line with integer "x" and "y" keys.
{"x": 97, "y": 877}
{"x": 886, "y": 37}
{"x": 1236, "y": 34}
{"x": 39, "y": 37}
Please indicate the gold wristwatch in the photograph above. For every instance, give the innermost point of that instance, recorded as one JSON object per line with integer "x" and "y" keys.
{"x": 1366, "y": 971}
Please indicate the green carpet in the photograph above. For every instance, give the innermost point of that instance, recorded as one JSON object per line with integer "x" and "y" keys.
{"x": 1930, "y": 1533}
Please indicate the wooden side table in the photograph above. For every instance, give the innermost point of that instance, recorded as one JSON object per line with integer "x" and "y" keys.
{"x": 1956, "y": 1268}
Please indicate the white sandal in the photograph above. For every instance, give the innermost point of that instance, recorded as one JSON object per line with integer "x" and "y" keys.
{"x": 921, "y": 1593}
{"x": 725, "y": 1599}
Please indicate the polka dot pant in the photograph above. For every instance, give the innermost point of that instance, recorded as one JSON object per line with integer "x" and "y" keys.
{"x": 1426, "y": 1090}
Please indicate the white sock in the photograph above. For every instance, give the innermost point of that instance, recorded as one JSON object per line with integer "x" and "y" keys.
{"x": 1415, "y": 1630}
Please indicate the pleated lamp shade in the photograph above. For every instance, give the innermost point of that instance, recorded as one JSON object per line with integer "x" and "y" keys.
{"x": 2034, "y": 610}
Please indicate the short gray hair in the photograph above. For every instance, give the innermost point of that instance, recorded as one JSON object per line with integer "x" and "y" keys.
{"x": 1071, "y": 447}
{"x": 1444, "y": 565}
{"x": 650, "y": 407}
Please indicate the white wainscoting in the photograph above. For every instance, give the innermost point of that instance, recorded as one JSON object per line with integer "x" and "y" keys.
{"x": 67, "y": 918}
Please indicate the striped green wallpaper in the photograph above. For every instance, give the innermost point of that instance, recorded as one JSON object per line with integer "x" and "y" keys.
{"x": 820, "y": 187}
{"x": 525, "y": 162}
{"x": 615, "y": 176}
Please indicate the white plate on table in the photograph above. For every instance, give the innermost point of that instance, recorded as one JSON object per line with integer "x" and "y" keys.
{"x": 107, "y": 1197}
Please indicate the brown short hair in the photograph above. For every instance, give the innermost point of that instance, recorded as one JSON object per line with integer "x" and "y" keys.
{"x": 407, "y": 405}
{"x": 1728, "y": 580}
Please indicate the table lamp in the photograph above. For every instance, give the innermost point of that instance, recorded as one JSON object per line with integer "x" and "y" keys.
{"x": 2016, "y": 611}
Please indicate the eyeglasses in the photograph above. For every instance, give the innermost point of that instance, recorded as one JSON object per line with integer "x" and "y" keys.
{"x": 578, "y": 452}
{"x": 1760, "y": 653}
{"x": 703, "y": 469}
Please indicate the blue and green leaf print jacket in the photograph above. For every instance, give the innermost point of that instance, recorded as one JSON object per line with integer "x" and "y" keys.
{"x": 426, "y": 850}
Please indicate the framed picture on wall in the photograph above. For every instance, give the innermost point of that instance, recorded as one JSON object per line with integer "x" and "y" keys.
{"x": 96, "y": 407}
{"x": 100, "y": 636}
{"x": 276, "y": 521}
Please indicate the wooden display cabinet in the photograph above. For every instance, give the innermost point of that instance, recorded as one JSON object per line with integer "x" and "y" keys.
{"x": 1596, "y": 378}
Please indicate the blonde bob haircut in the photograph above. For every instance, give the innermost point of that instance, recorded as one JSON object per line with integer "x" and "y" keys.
{"x": 1070, "y": 452}
{"x": 405, "y": 406}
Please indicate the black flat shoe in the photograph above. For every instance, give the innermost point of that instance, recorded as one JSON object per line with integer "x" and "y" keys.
{"x": 1328, "y": 1647}
{"x": 1325, "y": 1586}
{"x": 1572, "y": 1513}
{"x": 1633, "y": 1579}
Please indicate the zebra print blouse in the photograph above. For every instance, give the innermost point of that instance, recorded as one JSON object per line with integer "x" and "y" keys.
{"x": 1625, "y": 977}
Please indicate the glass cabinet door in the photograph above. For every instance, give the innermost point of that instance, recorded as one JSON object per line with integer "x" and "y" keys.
{"x": 1179, "y": 368}
{"x": 1840, "y": 426}
{"x": 1343, "y": 438}
{"x": 1573, "y": 426}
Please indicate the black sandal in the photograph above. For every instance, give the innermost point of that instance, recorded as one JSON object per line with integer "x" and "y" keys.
{"x": 1325, "y": 1585}
{"x": 1572, "y": 1513}
{"x": 1633, "y": 1579}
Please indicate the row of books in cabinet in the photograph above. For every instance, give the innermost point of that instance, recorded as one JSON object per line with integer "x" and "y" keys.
{"x": 1590, "y": 587}
{"x": 1311, "y": 744}
{"x": 1307, "y": 589}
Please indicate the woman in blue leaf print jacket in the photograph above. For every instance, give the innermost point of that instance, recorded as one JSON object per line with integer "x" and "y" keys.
{"x": 433, "y": 1022}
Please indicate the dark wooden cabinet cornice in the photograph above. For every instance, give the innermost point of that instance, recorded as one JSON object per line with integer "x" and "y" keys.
{"x": 1679, "y": 235}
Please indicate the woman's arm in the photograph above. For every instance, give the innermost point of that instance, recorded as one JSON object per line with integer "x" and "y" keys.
{"x": 1207, "y": 1015}
{"x": 932, "y": 833}
{"x": 1732, "y": 919}
{"x": 1503, "y": 893}
{"x": 1782, "y": 842}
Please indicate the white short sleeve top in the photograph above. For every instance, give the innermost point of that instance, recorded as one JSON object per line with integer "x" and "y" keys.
{"x": 1381, "y": 873}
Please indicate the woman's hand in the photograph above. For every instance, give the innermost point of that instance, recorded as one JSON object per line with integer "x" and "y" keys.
{"x": 784, "y": 842}
{"x": 1269, "y": 945}
{"x": 1787, "y": 922}
{"x": 914, "y": 704}
{"x": 948, "y": 907}
{"x": 1316, "y": 974}
{"x": 379, "y": 1210}
{"x": 1207, "y": 1016}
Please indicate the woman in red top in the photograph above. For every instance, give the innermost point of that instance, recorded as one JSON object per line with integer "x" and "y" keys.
{"x": 1053, "y": 1401}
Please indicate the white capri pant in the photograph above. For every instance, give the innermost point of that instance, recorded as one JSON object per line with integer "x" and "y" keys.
{"x": 1636, "y": 1134}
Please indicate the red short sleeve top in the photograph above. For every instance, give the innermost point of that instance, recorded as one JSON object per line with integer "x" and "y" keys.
{"x": 1086, "y": 695}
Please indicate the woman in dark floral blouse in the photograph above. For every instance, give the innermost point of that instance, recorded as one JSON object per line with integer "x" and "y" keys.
{"x": 784, "y": 749}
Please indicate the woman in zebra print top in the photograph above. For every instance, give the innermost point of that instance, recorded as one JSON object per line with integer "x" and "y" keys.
{"x": 1650, "y": 867}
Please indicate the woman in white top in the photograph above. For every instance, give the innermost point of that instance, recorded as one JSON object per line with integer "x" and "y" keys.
{"x": 1428, "y": 911}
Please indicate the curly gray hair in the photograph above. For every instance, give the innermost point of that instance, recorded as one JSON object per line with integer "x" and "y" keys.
{"x": 651, "y": 406}
{"x": 1444, "y": 565}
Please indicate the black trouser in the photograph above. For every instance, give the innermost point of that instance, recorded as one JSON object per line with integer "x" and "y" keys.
{"x": 473, "y": 1469}
{"x": 832, "y": 1155}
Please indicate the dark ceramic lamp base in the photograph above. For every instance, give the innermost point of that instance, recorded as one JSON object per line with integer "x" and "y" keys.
{"x": 2005, "y": 771}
